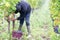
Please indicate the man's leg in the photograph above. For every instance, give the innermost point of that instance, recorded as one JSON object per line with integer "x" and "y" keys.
{"x": 21, "y": 24}
{"x": 28, "y": 23}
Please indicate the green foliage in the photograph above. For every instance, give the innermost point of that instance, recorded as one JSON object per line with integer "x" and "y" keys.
{"x": 8, "y": 6}
{"x": 34, "y": 3}
{"x": 55, "y": 10}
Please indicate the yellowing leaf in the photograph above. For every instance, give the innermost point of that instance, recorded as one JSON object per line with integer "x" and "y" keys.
{"x": 7, "y": 4}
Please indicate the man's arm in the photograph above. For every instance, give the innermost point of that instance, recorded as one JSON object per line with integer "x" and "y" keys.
{"x": 15, "y": 12}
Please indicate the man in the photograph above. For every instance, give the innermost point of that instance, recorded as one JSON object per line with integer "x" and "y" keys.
{"x": 24, "y": 9}
{"x": 56, "y": 29}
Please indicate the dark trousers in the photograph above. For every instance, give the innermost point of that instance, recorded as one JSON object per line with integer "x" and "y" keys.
{"x": 25, "y": 18}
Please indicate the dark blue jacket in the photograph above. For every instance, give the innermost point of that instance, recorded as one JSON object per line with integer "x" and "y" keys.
{"x": 24, "y": 8}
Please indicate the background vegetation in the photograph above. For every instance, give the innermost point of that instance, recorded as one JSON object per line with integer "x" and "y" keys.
{"x": 41, "y": 19}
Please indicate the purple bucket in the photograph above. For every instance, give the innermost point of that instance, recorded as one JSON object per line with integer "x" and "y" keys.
{"x": 16, "y": 34}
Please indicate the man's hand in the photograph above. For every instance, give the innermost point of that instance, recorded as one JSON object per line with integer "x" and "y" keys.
{"x": 13, "y": 19}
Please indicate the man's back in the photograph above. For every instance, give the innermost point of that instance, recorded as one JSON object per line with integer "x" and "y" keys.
{"x": 24, "y": 7}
